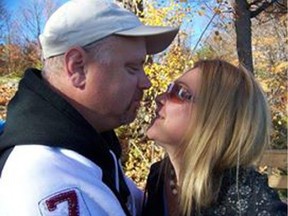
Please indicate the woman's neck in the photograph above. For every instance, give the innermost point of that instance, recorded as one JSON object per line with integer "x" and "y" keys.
{"x": 172, "y": 184}
{"x": 175, "y": 161}
{"x": 174, "y": 156}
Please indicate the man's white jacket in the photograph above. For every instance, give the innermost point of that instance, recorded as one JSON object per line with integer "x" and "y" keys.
{"x": 53, "y": 162}
{"x": 40, "y": 180}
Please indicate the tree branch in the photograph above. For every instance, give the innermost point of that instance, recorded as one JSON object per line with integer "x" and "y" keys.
{"x": 282, "y": 6}
{"x": 254, "y": 3}
{"x": 204, "y": 31}
{"x": 261, "y": 8}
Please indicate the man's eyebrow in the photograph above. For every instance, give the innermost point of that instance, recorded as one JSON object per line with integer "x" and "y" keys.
{"x": 136, "y": 62}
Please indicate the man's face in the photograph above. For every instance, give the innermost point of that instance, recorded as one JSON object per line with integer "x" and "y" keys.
{"x": 114, "y": 88}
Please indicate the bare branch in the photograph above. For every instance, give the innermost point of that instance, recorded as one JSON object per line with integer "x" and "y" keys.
{"x": 255, "y": 3}
{"x": 261, "y": 8}
{"x": 204, "y": 31}
{"x": 283, "y": 5}
{"x": 4, "y": 19}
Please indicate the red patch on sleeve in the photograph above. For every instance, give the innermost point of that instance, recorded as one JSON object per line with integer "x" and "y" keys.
{"x": 66, "y": 202}
{"x": 68, "y": 196}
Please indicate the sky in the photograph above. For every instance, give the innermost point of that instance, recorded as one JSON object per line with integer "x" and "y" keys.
{"x": 11, "y": 4}
{"x": 197, "y": 25}
{"x": 14, "y": 5}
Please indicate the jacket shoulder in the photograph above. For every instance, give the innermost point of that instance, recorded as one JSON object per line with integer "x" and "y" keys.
{"x": 37, "y": 179}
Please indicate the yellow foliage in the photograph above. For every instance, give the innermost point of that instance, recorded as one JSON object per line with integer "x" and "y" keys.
{"x": 217, "y": 10}
{"x": 140, "y": 149}
{"x": 264, "y": 40}
{"x": 217, "y": 38}
{"x": 201, "y": 12}
{"x": 264, "y": 85}
{"x": 170, "y": 15}
{"x": 279, "y": 67}
{"x": 142, "y": 152}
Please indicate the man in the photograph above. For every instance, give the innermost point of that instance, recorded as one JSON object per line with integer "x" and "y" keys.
{"x": 59, "y": 154}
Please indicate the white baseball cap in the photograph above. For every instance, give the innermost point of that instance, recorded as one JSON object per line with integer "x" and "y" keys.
{"x": 82, "y": 22}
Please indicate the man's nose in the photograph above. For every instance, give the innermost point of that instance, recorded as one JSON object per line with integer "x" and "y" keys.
{"x": 144, "y": 82}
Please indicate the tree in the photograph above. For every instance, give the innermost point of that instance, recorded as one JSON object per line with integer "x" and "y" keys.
{"x": 271, "y": 63}
{"x": 33, "y": 16}
{"x": 244, "y": 11}
{"x": 4, "y": 19}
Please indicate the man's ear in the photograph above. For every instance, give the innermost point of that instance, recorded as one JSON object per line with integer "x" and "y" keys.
{"x": 75, "y": 59}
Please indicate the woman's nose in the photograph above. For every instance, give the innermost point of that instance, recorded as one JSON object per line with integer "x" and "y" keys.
{"x": 161, "y": 98}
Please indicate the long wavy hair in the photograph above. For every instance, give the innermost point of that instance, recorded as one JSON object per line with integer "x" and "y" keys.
{"x": 231, "y": 131}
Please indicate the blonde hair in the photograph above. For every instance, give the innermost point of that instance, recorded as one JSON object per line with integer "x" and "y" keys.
{"x": 231, "y": 130}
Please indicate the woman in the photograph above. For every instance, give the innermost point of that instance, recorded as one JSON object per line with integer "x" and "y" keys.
{"x": 214, "y": 124}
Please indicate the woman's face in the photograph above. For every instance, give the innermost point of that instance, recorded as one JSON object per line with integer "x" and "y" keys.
{"x": 175, "y": 110}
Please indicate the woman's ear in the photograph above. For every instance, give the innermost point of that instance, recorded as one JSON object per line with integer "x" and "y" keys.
{"x": 75, "y": 59}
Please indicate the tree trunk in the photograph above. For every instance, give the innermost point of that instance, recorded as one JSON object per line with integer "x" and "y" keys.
{"x": 243, "y": 34}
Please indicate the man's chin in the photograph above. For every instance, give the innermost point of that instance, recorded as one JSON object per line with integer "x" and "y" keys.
{"x": 130, "y": 114}
{"x": 127, "y": 119}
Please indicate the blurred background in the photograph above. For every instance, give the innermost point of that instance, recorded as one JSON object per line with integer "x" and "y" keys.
{"x": 248, "y": 32}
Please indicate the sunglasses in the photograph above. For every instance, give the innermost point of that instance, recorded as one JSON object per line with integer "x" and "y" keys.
{"x": 178, "y": 93}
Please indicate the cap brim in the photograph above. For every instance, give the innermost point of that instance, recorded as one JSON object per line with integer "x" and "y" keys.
{"x": 157, "y": 38}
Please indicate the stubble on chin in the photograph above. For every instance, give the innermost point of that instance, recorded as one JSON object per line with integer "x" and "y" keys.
{"x": 124, "y": 120}
{"x": 128, "y": 117}
{"x": 130, "y": 113}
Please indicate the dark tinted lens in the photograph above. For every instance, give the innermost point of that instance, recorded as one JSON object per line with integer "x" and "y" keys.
{"x": 173, "y": 92}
